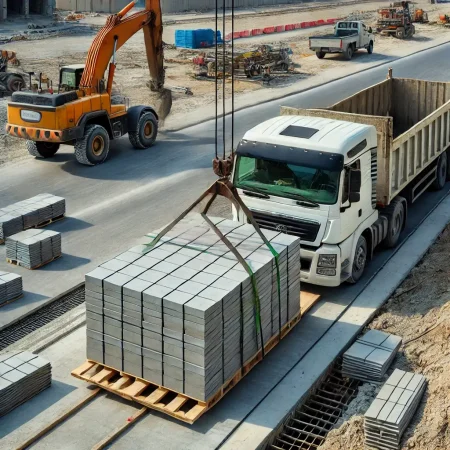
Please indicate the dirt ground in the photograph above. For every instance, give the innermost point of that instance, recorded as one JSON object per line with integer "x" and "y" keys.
{"x": 132, "y": 72}
{"x": 420, "y": 304}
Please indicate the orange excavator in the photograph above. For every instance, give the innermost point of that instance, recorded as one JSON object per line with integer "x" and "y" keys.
{"x": 84, "y": 112}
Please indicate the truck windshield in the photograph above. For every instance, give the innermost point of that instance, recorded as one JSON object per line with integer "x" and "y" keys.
{"x": 287, "y": 180}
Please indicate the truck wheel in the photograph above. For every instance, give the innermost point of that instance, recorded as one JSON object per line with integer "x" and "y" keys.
{"x": 147, "y": 130}
{"x": 441, "y": 173}
{"x": 93, "y": 149}
{"x": 15, "y": 83}
{"x": 396, "y": 215}
{"x": 359, "y": 260}
{"x": 42, "y": 149}
{"x": 400, "y": 33}
{"x": 320, "y": 55}
{"x": 348, "y": 53}
{"x": 370, "y": 48}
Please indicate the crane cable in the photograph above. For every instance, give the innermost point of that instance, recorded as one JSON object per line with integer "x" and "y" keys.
{"x": 222, "y": 166}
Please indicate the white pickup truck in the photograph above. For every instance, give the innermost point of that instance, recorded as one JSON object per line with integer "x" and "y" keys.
{"x": 342, "y": 178}
{"x": 348, "y": 37}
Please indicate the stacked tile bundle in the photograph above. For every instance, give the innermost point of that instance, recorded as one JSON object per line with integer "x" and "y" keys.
{"x": 34, "y": 248}
{"x": 370, "y": 356}
{"x": 30, "y": 213}
{"x": 182, "y": 314}
{"x": 390, "y": 413}
{"x": 11, "y": 287}
{"x": 22, "y": 376}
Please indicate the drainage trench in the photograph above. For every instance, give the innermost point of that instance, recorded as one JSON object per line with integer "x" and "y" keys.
{"x": 309, "y": 425}
{"x": 42, "y": 317}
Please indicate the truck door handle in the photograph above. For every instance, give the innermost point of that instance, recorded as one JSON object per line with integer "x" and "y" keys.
{"x": 360, "y": 213}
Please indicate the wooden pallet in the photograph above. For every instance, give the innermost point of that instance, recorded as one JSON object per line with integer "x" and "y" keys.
{"x": 307, "y": 301}
{"x": 40, "y": 225}
{"x": 18, "y": 263}
{"x": 162, "y": 399}
{"x": 10, "y": 301}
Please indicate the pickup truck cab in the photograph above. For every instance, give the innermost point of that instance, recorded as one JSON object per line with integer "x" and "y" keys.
{"x": 348, "y": 37}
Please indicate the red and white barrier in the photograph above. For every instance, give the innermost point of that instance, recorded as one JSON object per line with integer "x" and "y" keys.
{"x": 280, "y": 28}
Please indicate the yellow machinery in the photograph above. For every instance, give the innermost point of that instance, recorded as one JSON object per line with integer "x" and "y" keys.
{"x": 83, "y": 112}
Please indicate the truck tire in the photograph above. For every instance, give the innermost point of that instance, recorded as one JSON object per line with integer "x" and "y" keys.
{"x": 396, "y": 216}
{"x": 147, "y": 130}
{"x": 370, "y": 48}
{"x": 359, "y": 260}
{"x": 400, "y": 33}
{"x": 441, "y": 173}
{"x": 348, "y": 53}
{"x": 93, "y": 148}
{"x": 448, "y": 164}
{"x": 15, "y": 83}
{"x": 42, "y": 149}
{"x": 320, "y": 55}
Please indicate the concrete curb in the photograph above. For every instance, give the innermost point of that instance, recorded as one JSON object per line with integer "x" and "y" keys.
{"x": 257, "y": 429}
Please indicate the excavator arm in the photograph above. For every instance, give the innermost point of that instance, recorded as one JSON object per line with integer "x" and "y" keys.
{"x": 116, "y": 32}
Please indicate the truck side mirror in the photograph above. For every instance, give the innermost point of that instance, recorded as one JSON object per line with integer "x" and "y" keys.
{"x": 355, "y": 186}
{"x": 370, "y": 30}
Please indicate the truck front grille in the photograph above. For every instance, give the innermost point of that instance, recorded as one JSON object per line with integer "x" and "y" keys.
{"x": 306, "y": 230}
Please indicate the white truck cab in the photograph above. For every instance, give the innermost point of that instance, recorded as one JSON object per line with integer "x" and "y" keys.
{"x": 313, "y": 178}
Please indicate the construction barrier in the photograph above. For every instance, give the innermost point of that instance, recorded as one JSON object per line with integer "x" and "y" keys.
{"x": 320, "y": 22}
{"x": 298, "y": 25}
{"x": 269, "y": 30}
{"x": 257, "y": 32}
{"x": 244, "y": 34}
{"x": 280, "y": 29}
{"x": 290, "y": 27}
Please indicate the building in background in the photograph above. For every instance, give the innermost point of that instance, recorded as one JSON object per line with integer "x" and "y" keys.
{"x": 103, "y": 6}
{"x": 11, "y": 8}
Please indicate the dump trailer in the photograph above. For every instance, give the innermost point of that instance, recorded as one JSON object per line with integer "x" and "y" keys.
{"x": 342, "y": 177}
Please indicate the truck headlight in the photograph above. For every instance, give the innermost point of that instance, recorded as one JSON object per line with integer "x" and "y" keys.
{"x": 327, "y": 261}
{"x": 326, "y": 272}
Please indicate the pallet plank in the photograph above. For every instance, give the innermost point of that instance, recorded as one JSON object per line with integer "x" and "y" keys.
{"x": 103, "y": 375}
{"x": 83, "y": 368}
{"x": 136, "y": 388}
{"x": 156, "y": 396}
{"x": 176, "y": 403}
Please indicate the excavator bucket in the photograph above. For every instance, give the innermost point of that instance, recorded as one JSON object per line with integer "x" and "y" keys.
{"x": 164, "y": 104}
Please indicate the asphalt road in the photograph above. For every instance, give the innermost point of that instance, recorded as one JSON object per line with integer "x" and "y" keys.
{"x": 110, "y": 207}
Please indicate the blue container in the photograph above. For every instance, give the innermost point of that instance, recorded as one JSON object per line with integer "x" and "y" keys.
{"x": 200, "y": 38}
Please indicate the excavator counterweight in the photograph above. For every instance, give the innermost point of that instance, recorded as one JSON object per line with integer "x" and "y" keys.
{"x": 84, "y": 112}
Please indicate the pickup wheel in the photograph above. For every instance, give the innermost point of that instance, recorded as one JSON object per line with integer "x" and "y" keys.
{"x": 15, "y": 83}
{"x": 396, "y": 216}
{"x": 42, "y": 149}
{"x": 93, "y": 148}
{"x": 320, "y": 55}
{"x": 359, "y": 260}
{"x": 441, "y": 173}
{"x": 370, "y": 48}
{"x": 348, "y": 53}
{"x": 147, "y": 130}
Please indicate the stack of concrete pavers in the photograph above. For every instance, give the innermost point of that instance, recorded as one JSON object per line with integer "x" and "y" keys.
{"x": 11, "y": 287}
{"x": 370, "y": 356}
{"x": 22, "y": 376}
{"x": 390, "y": 413}
{"x": 183, "y": 315}
{"x": 30, "y": 213}
{"x": 34, "y": 248}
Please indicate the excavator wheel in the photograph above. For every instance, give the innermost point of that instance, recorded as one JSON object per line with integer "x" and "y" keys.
{"x": 42, "y": 149}
{"x": 15, "y": 83}
{"x": 93, "y": 148}
{"x": 147, "y": 130}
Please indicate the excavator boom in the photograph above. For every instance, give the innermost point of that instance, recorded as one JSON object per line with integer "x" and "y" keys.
{"x": 116, "y": 32}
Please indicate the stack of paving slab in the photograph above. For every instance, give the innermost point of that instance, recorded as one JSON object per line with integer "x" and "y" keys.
{"x": 11, "y": 287}
{"x": 390, "y": 413}
{"x": 34, "y": 248}
{"x": 30, "y": 213}
{"x": 182, "y": 315}
{"x": 22, "y": 376}
{"x": 370, "y": 356}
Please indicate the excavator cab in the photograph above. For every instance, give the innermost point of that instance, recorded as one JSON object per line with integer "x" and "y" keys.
{"x": 70, "y": 77}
